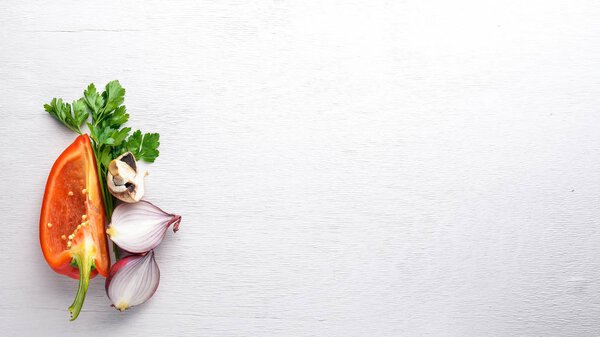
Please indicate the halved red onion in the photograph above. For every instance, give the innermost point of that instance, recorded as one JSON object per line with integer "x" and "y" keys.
{"x": 132, "y": 281}
{"x": 140, "y": 227}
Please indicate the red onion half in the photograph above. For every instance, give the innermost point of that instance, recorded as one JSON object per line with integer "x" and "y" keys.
{"x": 132, "y": 281}
{"x": 141, "y": 226}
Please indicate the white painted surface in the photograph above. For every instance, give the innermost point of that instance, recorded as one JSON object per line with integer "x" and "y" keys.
{"x": 349, "y": 168}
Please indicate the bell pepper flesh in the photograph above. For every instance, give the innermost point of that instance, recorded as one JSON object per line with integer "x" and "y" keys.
{"x": 72, "y": 220}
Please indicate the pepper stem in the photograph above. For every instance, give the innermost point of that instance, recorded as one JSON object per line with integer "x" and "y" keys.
{"x": 85, "y": 263}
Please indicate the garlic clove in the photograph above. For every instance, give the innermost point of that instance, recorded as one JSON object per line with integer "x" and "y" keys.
{"x": 141, "y": 226}
{"x": 125, "y": 182}
{"x": 132, "y": 281}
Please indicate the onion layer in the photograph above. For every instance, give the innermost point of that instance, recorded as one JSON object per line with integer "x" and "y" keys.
{"x": 141, "y": 226}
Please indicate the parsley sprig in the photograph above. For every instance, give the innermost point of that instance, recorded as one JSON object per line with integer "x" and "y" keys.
{"x": 71, "y": 115}
{"x": 109, "y": 138}
{"x": 108, "y": 116}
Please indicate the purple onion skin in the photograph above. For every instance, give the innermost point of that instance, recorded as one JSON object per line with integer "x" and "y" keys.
{"x": 176, "y": 221}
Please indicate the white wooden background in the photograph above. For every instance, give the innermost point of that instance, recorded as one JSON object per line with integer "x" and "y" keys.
{"x": 343, "y": 168}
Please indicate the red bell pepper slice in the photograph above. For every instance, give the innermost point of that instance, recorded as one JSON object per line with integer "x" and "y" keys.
{"x": 72, "y": 221}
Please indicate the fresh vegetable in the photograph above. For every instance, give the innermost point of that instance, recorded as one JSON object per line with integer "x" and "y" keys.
{"x": 140, "y": 227}
{"x": 72, "y": 219}
{"x": 125, "y": 182}
{"x": 132, "y": 280}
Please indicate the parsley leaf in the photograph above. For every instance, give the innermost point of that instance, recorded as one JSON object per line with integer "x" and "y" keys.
{"x": 80, "y": 111}
{"x": 134, "y": 142}
{"x": 114, "y": 95}
{"x": 149, "y": 151}
{"x": 104, "y": 156}
{"x": 117, "y": 118}
{"x": 72, "y": 116}
{"x": 93, "y": 100}
{"x": 143, "y": 147}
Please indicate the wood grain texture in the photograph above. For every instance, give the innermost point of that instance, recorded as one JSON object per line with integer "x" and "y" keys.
{"x": 343, "y": 168}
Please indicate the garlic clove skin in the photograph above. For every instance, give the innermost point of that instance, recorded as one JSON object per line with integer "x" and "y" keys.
{"x": 125, "y": 182}
{"x": 132, "y": 281}
{"x": 140, "y": 227}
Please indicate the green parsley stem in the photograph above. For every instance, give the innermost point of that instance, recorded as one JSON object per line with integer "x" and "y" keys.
{"x": 106, "y": 196}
